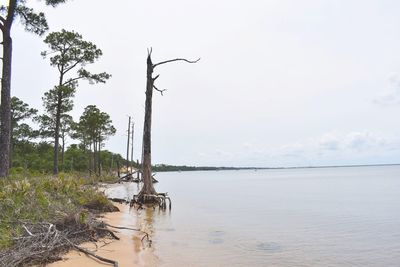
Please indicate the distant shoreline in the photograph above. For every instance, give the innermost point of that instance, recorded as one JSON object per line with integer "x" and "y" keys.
{"x": 171, "y": 168}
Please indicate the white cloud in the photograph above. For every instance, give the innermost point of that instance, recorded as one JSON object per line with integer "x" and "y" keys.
{"x": 354, "y": 141}
{"x": 329, "y": 142}
{"x": 391, "y": 95}
{"x": 340, "y": 144}
{"x": 365, "y": 140}
{"x": 332, "y": 148}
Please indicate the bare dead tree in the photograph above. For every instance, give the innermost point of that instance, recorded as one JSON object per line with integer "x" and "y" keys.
{"x": 148, "y": 194}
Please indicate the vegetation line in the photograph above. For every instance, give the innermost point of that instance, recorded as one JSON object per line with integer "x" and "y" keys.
{"x": 42, "y": 217}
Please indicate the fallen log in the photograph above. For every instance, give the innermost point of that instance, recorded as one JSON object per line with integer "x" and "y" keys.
{"x": 87, "y": 252}
{"x": 119, "y": 200}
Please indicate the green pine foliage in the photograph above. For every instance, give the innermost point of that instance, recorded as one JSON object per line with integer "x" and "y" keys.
{"x": 37, "y": 158}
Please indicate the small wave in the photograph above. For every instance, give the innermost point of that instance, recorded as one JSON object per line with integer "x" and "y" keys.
{"x": 268, "y": 246}
{"x": 216, "y": 241}
{"x": 217, "y": 233}
{"x": 251, "y": 246}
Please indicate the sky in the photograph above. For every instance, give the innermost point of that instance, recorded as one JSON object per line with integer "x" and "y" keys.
{"x": 279, "y": 83}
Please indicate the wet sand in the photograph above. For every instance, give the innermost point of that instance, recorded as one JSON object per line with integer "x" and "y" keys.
{"x": 128, "y": 251}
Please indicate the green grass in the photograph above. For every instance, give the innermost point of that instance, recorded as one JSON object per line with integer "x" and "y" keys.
{"x": 45, "y": 198}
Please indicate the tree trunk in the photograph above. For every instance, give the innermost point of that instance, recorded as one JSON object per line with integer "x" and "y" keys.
{"x": 148, "y": 193}
{"x": 118, "y": 169}
{"x": 148, "y": 187}
{"x": 99, "y": 156}
{"x": 5, "y": 106}
{"x": 87, "y": 152}
{"x": 62, "y": 149}
{"x": 5, "y": 110}
{"x": 94, "y": 157}
{"x": 112, "y": 163}
{"x": 138, "y": 170}
{"x": 57, "y": 132}
{"x": 12, "y": 144}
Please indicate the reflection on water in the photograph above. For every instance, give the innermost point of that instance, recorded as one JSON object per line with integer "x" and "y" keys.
{"x": 299, "y": 217}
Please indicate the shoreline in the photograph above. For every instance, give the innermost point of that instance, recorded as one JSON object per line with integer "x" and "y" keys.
{"x": 128, "y": 251}
{"x": 210, "y": 168}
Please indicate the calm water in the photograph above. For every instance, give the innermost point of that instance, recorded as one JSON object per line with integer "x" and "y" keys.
{"x": 298, "y": 217}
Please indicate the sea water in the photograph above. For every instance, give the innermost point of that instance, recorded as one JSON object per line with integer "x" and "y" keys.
{"x": 344, "y": 216}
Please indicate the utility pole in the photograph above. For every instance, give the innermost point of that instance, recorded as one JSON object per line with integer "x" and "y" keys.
{"x": 133, "y": 131}
{"x": 127, "y": 146}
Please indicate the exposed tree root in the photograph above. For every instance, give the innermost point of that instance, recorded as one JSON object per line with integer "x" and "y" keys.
{"x": 146, "y": 235}
{"x": 123, "y": 228}
{"x": 111, "y": 233}
{"x": 159, "y": 199}
{"x": 42, "y": 243}
{"x": 87, "y": 252}
{"x": 154, "y": 180}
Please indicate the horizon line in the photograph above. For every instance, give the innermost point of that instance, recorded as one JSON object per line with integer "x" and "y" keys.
{"x": 290, "y": 167}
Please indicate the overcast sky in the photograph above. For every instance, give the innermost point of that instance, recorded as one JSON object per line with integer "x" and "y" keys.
{"x": 280, "y": 83}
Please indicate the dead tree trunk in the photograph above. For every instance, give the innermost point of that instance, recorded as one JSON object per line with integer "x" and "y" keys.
{"x": 148, "y": 194}
{"x": 148, "y": 188}
{"x": 138, "y": 170}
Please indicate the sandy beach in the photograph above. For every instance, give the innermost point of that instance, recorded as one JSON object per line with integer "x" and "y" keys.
{"x": 128, "y": 251}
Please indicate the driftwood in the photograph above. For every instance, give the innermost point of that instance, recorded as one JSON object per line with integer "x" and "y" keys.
{"x": 115, "y": 263}
{"x": 44, "y": 242}
{"x": 87, "y": 252}
{"x": 119, "y": 200}
{"x": 128, "y": 178}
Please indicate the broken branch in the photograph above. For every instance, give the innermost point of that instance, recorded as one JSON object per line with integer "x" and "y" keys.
{"x": 155, "y": 78}
{"x": 176, "y": 59}
{"x": 161, "y": 91}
